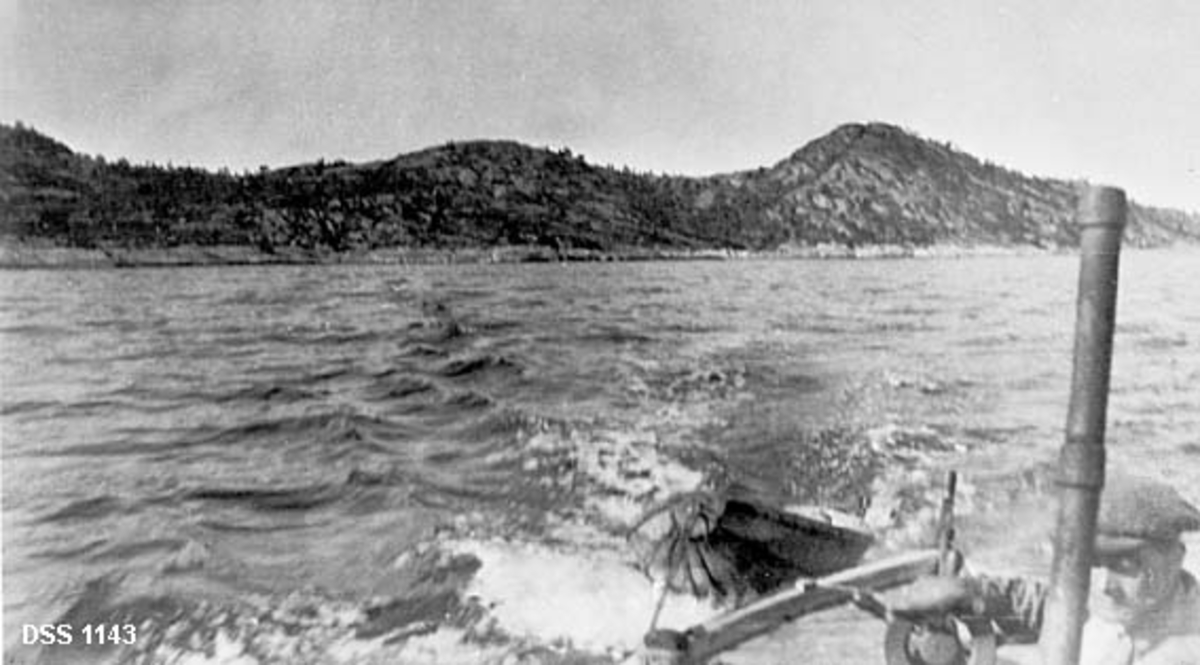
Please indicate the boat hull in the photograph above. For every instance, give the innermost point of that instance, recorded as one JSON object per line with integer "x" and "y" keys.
{"x": 770, "y": 545}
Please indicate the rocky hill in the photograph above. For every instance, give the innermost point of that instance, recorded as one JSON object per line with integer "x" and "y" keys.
{"x": 871, "y": 184}
{"x": 881, "y": 184}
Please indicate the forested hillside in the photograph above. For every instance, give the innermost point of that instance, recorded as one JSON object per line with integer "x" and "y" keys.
{"x": 860, "y": 185}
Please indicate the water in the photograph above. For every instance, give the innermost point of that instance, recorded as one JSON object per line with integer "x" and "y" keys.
{"x": 361, "y": 463}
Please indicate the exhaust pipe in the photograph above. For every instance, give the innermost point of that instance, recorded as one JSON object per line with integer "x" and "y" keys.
{"x": 1081, "y": 462}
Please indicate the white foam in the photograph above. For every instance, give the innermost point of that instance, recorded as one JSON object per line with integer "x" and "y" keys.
{"x": 588, "y": 600}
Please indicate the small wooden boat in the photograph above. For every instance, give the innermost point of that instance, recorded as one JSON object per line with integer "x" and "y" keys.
{"x": 735, "y": 544}
{"x": 804, "y": 541}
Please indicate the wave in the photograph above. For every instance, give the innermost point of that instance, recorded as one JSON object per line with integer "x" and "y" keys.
{"x": 325, "y": 375}
{"x": 141, "y": 401}
{"x": 447, "y": 409}
{"x": 35, "y": 330}
{"x": 271, "y": 500}
{"x": 389, "y": 388}
{"x": 345, "y": 338}
{"x": 275, "y": 392}
{"x": 689, "y": 328}
{"x": 134, "y": 550}
{"x": 494, "y": 326}
{"x": 438, "y": 332}
{"x": 893, "y": 327}
{"x": 339, "y": 426}
{"x": 320, "y": 336}
{"x": 268, "y": 392}
{"x": 484, "y": 465}
{"x": 27, "y": 406}
{"x": 87, "y": 509}
{"x": 420, "y": 349}
{"x": 72, "y": 553}
{"x": 614, "y": 335}
{"x": 315, "y": 438}
{"x": 475, "y": 367}
{"x": 444, "y": 483}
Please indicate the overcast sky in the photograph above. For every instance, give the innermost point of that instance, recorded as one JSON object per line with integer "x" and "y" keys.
{"x": 1097, "y": 89}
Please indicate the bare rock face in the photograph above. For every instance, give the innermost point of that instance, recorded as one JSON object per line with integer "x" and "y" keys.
{"x": 877, "y": 183}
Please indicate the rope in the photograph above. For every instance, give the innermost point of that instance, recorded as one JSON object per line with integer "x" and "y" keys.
{"x": 672, "y": 563}
{"x": 695, "y": 496}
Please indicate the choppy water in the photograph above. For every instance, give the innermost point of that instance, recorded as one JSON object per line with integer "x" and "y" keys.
{"x": 394, "y": 464}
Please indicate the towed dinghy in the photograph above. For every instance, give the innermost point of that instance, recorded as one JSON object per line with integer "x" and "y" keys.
{"x": 734, "y": 544}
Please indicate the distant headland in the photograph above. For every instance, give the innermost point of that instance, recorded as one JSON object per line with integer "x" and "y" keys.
{"x": 861, "y": 190}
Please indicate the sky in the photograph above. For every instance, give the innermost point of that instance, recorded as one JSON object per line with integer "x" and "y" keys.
{"x": 1102, "y": 90}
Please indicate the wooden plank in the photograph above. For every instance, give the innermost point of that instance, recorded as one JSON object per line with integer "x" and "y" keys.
{"x": 729, "y": 630}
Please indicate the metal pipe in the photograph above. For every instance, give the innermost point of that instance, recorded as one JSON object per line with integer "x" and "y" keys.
{"x": 1081, "y": 463}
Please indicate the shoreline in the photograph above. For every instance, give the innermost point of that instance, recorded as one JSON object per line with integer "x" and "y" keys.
{"x": 24, "y": 255}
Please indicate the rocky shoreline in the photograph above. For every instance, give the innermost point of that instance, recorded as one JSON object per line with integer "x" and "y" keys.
{"x": 29, "y": 255}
